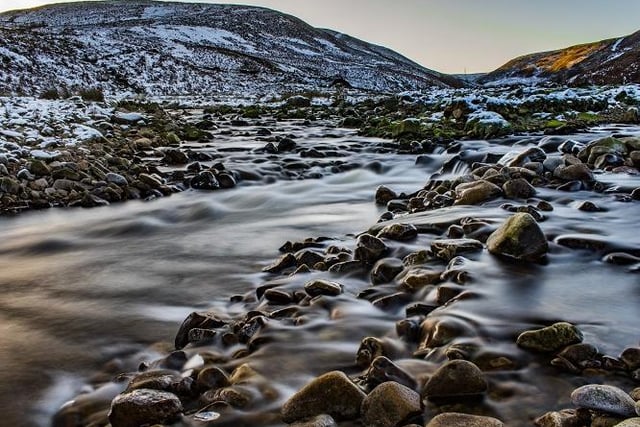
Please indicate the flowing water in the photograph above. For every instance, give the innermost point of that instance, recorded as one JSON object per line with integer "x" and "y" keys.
{"x": 82, "y": 287}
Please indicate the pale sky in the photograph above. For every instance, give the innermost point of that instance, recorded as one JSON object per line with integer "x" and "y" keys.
{"x": 454, "y": 36}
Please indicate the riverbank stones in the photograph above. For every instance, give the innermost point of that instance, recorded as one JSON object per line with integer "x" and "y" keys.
{"x": 476, "y": 192}
{"x": 333, "y": 394}
{"x": 144, "y": 407}
{"x": 322, "y": 287}
{"x": 457, "y": 378}
{"x": 604, "y": 398}
{"x": 389, "y": 404}
{"x": 551, "y": 338}
{"x": 454, "y": 419}
{"x": 520, "y": 237}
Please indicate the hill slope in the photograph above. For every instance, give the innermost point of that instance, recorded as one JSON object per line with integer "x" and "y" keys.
{"x": 180, "y": 48}
{"x": 612, "y": 61}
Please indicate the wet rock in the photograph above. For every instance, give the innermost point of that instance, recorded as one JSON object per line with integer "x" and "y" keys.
{"x": 518, "y": 189}
{"x": 384, "y": 195}
{"x": 576, "y": 172}
{"x": 630, "y": 422}
{"x": 298, "y": 101}
{"x": 278, "y": 296}
{"x": 196, "y": 320}
{"x": 631, "y": 357}
{"x": 476, "y": 192}
{"x": 226, "y": 180}
{"x": 127, "y": 118}
{"x": 410, "y": 126}
{"x": 520, "y": 237}
{"x": 205, "y": 180}
{"x": 454, "y": 419}
{"x": 551, "y": 338}
{"x": 418, "y": 278}
{"x": 116, "y": 179}
{"x": 447, "y": 249}
{"x": 389, "y": 404}
{"x": 382, "y": 369}
{"x": 456, "y": 378}
{"x": 588, "y": 206}
{"x": 385, "y": 270}
{"x": 370, "y": 348}
{"x": 399, "y": 232}
{"x": 9, "y": 185}
{"x": 308, "y": 257}
{"x": 332, "y": 393}
{"x": 153, "y": 181}
{"x": 39, "y": 168}
{"x": 286, "y": 144}
{"x": 144, "y": 407}
{"x": 604, "y": 398}
{"x": 564, "y": 418}
{"x": 323, "y": 420}
{"x": 173, "y": 156}
{"x": 579, "y": 353}
{"x": 282, "y": 263}
{"x": 369, "y": 249}
{"x": 439, "y": 331}
{"x": 323, "y": 287}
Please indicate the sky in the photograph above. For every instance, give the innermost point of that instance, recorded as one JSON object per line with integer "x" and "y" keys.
{"x": 457, "y": 36}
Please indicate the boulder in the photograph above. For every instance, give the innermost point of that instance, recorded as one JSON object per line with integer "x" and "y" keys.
{"x": 550, "y": 339}
{"x": 473, "y": 193}
{"x": 456, "y": 378}
{"x": 605, "y": 398}
{"x": 520, "y": 237}
{"x": 389, "y": 404}
{"x": 333, "y": 394}
{"x": 144, "y": 407}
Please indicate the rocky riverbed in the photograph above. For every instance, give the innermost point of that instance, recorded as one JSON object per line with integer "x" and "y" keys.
{"x": 500, "y": 290}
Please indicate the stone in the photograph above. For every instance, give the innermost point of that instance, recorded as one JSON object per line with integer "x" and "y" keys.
{"x": 579, "y": 353}
{"x": 196, "y": 320}
{"x": 384, "y": 195}
{"x": 389, "y": 404}
{"x": 174, "y": 156}
{"x": 144, "y": 407}
{"x": 116, "y": 179}
{"x": 382, "y": 370}
{"x": 551, "y": 338}
{"x": 630, "y": 422}
{"x": 333, "y": 394}
{"x": 631, "y": 357}
{"x": 399, "y": 232}
{"x": 9, "y": 185}
{"x": 39, "y": 168}
{"x": 409, "y": 126}
{"x": 369, "y": 249}
{"x": 520, "y": 237}
{"x": 385, "y": 270}
{"x": 454, "y": 419}
{"x": 298, "y": 101}
{"x": 575, "y": 172}
{"x": 205, "y": 180}
{"x": 127, "y": 118}
{"x": 518, "y": 189}
{"x": 152, "y": 181}
{"x": 418, "y": 278}
{"x": 322, "y": 287}
{"x": 564, "y": 418}
{"x": 282, "y": 263}
{"x": 447, "y": 249}
{"x": 456, "y": 378}
{"x": 323, "y": 420}
{"x": 476, "y": 192}
{"x": 605, "y": 398}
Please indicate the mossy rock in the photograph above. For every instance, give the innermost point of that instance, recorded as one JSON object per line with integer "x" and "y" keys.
{"x": 550, "y": 339}
{"x": 520, "y": 237}
{"x": 406, "y": 127}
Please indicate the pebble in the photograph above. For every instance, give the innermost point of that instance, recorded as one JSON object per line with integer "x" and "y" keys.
{"x": 389, "y": 404}
{"x": 332, "y": 393}
{"x": 604, "y": 398}
{"x": 456, "y": 378}
{"x": 454, "y": 419}
{"x": 144, "y": 407}
{"x": 551, "y": 338}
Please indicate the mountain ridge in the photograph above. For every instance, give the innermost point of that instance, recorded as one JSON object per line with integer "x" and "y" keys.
{"x": 166, "y": 48}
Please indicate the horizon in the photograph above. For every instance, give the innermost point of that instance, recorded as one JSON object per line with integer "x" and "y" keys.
{"x": 485, "y": 36}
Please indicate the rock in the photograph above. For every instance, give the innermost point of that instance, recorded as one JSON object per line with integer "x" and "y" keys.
{"x": 456, "y": 378}
{"x": 579, "y": 353}
{"x": 323, "y": 287}
{"x": 332, "y": 393}
{"x": 286, "y": 144}
{"x": 369, "y": 249}
{"x": 410, "y": 126}
{"x": 454, "y": 419}
{"x": 116, "y": 179}
{"x": 196, "y": 320}
{"x": 323, "y": 420}
{"x": 564, "y": 418}
{"x": 127, "y": 118}
{"x": 9, "y": 185}
{"x": 282, "y": 263}
{"x": 518, "y": 189}
{"x": 418, "y": 278}
{"x": 631, "y": 357}
{"x": 144, "y": 407}
{"x": 173, "y": 156}
{"x": 385, "y": 270}
{"x": 298, "y": 101}
{"x": 473, "y": 193}
{"x": 447, "y": 249}
{"x": 630, "y": 422}
{"x": 205, "y": 180}
{"x": 382, "y": 370}
{"x": 39, "y": 168}
{"x": 550, "y": 339}
{"x": 575, "y": 172}
{"x": 384, "y": 195}
{"x": 604, "y": 398}
{"x": 389, "y": 404}
{"x": 399, "y": 232}
{"x": 520, "y": 237}
{"x": 152, "y": 181}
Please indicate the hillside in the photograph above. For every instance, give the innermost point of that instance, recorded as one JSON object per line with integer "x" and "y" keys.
{"x": 157, "y": 48}
{"x": 612, "y": 61}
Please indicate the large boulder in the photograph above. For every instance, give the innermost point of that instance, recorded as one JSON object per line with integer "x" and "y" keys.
{"x": 332, "y": 393}
{"x": 520, "y": 237}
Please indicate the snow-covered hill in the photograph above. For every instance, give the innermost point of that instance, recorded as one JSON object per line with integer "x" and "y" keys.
{"x": 158, "y": 48}
{"x": 613, "y": 61}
